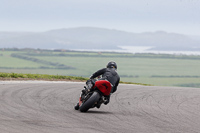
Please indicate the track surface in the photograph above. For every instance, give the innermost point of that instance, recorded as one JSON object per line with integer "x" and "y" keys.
{"x": 46, "y": 107}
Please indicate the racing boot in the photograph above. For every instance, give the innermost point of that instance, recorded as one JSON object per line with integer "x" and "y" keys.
{"x": 98, "y": 105}
{"x": 107, "y": 100}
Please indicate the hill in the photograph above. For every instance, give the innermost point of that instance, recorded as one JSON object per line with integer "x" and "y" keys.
{"x": 97, "y": 38}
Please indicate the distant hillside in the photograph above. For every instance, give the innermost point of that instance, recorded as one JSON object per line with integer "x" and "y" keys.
{"x": 97, "y": 38}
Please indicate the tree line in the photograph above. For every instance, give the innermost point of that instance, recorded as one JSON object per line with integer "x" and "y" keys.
{"x": 55, "y": 65}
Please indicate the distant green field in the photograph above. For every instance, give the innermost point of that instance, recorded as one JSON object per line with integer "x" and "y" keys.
{"x": 163, "y": 70}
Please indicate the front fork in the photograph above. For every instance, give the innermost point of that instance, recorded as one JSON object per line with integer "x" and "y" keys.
{"x": 80, "y": 101}
{"x": 83, "y": 94}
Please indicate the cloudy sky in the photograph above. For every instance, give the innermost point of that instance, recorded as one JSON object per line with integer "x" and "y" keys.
{"x": 178, "y": 16}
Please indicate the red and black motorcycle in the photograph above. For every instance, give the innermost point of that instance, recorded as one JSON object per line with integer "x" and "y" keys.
{"x": 94, "y": 97}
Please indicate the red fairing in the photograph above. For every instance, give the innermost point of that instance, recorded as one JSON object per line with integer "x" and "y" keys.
{"x": 104, "y": 86}
{"x": 80, "y": 102}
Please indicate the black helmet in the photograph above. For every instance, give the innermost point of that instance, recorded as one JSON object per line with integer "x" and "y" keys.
{"x": 112, "y": 64}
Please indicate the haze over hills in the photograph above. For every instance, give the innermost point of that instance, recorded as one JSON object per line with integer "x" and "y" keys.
{"x": 98, "y": 38}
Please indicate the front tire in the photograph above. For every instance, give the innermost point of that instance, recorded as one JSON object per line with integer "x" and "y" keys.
{"x": 77, "y": 106}
{"x": 90, "y": 102}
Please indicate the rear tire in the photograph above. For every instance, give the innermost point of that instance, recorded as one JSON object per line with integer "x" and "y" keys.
{"x": 90, "y": 102}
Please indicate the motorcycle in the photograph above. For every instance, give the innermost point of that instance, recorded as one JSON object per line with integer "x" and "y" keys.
{"x": 94, "y": 94}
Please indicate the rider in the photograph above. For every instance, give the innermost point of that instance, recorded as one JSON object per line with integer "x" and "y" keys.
{"x": 110, "y": 74}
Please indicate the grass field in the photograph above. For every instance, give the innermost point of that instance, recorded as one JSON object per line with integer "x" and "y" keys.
{"x": 163, "y": 70}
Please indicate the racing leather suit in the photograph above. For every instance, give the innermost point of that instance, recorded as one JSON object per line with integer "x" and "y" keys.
{"x": 109, "y": 74}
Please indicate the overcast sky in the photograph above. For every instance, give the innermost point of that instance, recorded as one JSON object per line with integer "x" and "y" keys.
{"x": 178, "y": 16}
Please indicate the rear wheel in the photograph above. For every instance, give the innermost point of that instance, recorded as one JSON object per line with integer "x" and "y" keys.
{"x": 90, "y": 102}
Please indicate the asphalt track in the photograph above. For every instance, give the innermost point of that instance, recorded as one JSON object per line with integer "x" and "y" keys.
{"x": 47, "y": 107}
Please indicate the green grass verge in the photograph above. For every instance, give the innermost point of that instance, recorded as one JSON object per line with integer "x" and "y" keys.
{"x": 122, "y": 82}
{"x": 39, "y": 77}
{"x": 22, "y": 76}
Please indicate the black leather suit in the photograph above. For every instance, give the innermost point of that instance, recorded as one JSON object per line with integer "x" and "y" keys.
{"x": 109, "y": 74}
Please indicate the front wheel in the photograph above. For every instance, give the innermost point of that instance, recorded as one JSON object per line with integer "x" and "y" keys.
{"x": 90, "y": 102}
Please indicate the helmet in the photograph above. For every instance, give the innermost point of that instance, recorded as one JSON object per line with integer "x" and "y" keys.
{"x": 112, "y": 64}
